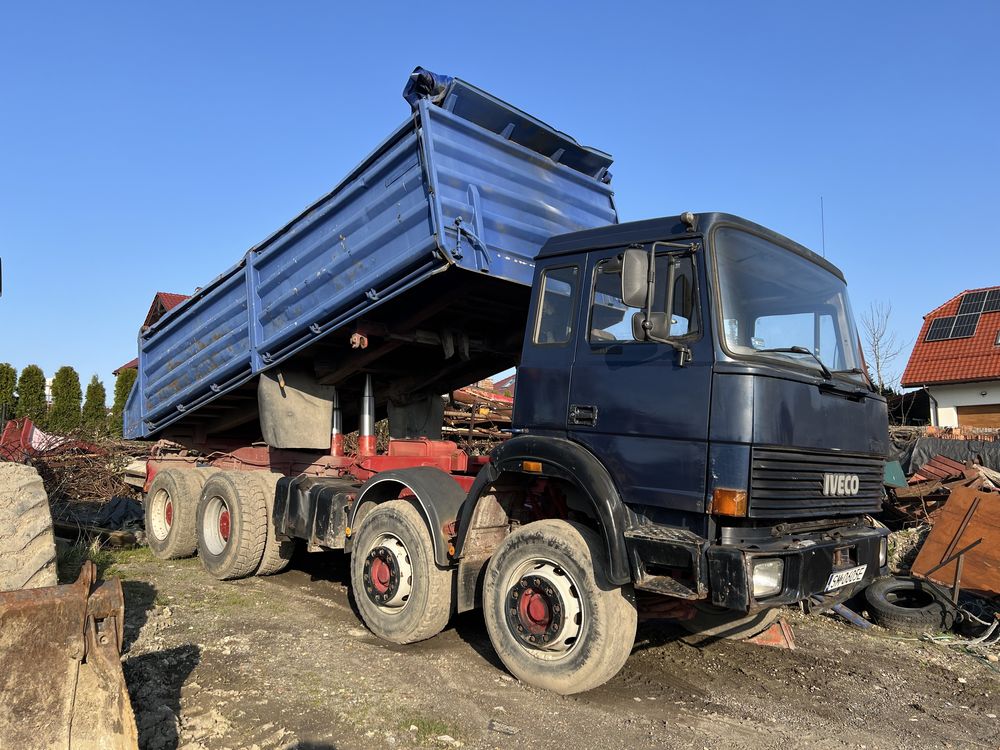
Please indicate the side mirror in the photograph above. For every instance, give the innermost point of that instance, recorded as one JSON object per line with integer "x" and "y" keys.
{"x": 637, "y": 276}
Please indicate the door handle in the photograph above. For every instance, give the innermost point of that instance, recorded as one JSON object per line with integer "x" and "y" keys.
{"x": 583, "y": 414}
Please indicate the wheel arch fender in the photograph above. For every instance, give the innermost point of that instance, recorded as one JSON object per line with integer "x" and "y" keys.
{"x": 435, "y": 493}
{"x": 568, "y": 461}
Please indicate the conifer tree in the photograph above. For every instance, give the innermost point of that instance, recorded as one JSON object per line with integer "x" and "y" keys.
{"x": 64, "y": 416}
{"x": 31, "y": 395}
{"x": 95, "y": 412}
{"x": 8, "y": 384}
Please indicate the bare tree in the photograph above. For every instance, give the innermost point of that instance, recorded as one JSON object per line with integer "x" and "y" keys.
{"x": 882, "y": 347}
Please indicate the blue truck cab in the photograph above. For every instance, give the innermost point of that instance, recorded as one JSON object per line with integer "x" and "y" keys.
{"x": 711, "y": 368}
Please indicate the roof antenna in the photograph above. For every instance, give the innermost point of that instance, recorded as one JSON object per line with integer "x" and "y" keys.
{"x": 822, "y": 224}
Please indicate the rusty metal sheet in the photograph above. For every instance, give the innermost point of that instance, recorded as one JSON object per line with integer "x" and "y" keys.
{"x": 971, "y": 513}
{"x": 940, "y": 468}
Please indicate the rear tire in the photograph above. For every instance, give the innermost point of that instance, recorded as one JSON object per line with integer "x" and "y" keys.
{"x": 553, "y": 617}
{"x": 401, "y": 593}
{"x": 277, "y": 552}
{"x": 170, "y": 507}
{"x": 27, "y": 545}
{"x": 231, "y": 525}
{"x": 716, "y": 622}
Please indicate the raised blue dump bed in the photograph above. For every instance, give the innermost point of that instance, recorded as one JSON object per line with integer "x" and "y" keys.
{"x": 468, "y": 185}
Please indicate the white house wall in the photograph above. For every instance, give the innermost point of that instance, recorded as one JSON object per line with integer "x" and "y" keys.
{"x": 965, "y": 394}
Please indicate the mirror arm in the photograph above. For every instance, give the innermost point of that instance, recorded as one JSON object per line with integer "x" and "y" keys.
{"x": 683, "y": 351}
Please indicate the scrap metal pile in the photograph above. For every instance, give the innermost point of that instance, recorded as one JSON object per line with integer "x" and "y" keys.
{"x": 82, "y": 478}
{"x": 946, "y": 524}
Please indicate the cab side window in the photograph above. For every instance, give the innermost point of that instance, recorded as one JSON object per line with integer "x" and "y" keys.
{"x": 557, "y": 302}
{"x": 612, "y": 321}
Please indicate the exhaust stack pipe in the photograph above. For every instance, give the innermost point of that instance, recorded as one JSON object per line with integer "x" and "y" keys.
{"x": 337, "y": 428}
{"x": 366, "y": 434}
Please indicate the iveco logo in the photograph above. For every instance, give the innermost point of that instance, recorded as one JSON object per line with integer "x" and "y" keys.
{"x": 840, "y": 484}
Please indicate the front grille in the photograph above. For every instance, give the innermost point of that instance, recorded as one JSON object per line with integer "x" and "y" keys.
{"x": 787, "y": 483}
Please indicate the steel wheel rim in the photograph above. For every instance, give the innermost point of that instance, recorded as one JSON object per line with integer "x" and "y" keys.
{"x": 216, "y": 525}
{"x": 388, "y": 574}
{"x": 543, "y": 610}
{"x": 160, "y": 515}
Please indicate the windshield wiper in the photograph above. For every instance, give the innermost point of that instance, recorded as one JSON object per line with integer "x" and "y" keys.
{"x": 801, "y": 350}
{"x": 862, "y": 373}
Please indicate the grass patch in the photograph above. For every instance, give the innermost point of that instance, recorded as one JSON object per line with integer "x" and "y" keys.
{"x": 70, "y": 558}
{"x": 427, "y": 729}
{"x": 230, "y": 599}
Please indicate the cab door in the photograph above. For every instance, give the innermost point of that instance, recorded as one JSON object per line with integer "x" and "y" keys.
{"x": 632, "y": 402}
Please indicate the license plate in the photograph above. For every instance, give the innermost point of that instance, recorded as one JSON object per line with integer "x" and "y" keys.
{"x": 846, "y": 577}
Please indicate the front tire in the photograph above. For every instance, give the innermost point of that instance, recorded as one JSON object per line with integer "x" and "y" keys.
{"x": 231, "y": 525}
{"x": 553, "y": 617}
{"x": 401, "y": 593}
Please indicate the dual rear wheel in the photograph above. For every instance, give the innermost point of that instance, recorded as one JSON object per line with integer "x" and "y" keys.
{"x": 224, "y": 516}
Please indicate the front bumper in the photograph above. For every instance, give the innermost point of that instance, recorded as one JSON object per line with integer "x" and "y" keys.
{"x": 809, "y": 560}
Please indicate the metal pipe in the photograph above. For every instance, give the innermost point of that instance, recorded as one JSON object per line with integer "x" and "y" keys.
{"x": 851, "y": 616}
{"x": 336, "y": 428}
{"x": 366, "y": 432}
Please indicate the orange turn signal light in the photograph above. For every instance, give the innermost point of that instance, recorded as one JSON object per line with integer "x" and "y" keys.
{"x": 728, "y": 502}
{"x": 534, "y": 467}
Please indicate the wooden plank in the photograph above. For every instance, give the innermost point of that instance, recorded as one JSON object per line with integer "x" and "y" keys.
{"x": 981, "y": 573}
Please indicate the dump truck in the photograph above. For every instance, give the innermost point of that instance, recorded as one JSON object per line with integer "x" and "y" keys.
{"x": 692, "y": 418}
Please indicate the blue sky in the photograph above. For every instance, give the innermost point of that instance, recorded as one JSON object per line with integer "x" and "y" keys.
{"x": 145, "y": 147}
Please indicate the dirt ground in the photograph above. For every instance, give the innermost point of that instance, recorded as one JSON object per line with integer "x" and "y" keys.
{"x": 283, "y": 662}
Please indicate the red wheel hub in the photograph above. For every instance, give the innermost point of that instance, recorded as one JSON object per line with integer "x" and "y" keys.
{"x": 224, "y": 524}
{"x": 381, "y": 575}
{"x": 168, "y": 513}
{"x": 534, "y": 612}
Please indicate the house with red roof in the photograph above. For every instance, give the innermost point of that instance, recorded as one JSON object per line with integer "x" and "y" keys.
{"x": 957, "y": 360}
{"x": 163, "y": 302}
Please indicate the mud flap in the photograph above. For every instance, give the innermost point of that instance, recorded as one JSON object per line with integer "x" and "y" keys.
{"x": 62, "y": 682}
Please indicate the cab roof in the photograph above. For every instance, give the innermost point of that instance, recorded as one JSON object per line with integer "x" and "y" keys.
{"x": 649, "y": 230}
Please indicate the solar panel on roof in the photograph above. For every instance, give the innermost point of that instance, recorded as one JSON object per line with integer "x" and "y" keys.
{"x": 940, "y": 328}
{"x": 992, "y": 301}
{"x": 965, "y": 326}
{"x": 972, "y": 303}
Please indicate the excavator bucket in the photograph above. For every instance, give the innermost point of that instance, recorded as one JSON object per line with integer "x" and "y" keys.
{"x": 61, "y": 677}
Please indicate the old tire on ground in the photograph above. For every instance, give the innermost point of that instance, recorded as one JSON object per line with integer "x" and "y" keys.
{"x": 231, "y": 525}
{"x": 907, "y": 605}
{"x": 553, "y": 617}
{"x": 27, "y": 545}
{"x": 277, "y": 552}
{"x": 716, "y": 622}
{"x": 170, "y": 507}
{"x": 401, "y": 593}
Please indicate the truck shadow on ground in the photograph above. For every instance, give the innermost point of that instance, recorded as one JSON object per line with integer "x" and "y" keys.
{"x": 656, "y": 633}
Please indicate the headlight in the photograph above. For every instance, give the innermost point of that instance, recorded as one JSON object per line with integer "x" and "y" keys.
{"x": 883, "y": 552}
{"x": 767, "y": 575}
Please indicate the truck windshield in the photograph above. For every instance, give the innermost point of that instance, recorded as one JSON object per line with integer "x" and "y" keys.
{"x": 773, "y": 298}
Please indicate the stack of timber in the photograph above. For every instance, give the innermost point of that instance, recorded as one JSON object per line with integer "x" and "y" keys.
{"x": 476, "y": 418}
